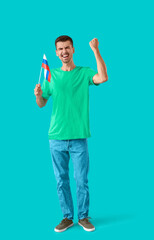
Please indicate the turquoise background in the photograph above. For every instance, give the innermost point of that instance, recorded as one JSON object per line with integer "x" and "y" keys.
{"x": 121, "y": 178}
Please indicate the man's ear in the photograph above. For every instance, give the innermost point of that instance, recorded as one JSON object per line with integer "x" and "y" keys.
{"x": 73, "y": 50}
{"x": 56, "y": 53}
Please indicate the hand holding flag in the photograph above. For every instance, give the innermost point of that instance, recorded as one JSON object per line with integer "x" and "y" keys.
{"x": 38, "y": 91}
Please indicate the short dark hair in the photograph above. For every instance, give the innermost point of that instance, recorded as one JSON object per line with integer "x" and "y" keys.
{"x": 63, "y": 38}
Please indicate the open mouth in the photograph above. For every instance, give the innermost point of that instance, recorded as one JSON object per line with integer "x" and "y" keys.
{"x": 65, "y": 56}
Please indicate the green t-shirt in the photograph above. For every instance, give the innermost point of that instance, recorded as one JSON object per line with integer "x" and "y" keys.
{"x": 70, "y": 99}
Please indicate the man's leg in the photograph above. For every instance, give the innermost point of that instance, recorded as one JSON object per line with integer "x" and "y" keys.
{"x": 80, "y": 157}
{"x": 60, "y": 159}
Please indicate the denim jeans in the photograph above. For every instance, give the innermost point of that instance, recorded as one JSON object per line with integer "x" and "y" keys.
{"x": 61, "y": 151}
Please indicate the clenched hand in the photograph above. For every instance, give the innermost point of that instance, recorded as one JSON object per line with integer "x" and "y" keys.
{"x": 94, "y": 44}
{"x": 38, "y": 91}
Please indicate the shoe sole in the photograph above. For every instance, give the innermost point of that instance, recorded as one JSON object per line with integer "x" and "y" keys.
{"x": 62, "y": 230}
{"x": 86, "y": 229}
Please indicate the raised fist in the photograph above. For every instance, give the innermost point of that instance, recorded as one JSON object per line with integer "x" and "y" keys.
{"x": 94, "y": 44}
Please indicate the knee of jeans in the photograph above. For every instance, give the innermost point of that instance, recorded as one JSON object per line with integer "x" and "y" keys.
{"x": 81, "y": 182}
{"x": 62, "y": 179}
{"x": 62, "y": 184}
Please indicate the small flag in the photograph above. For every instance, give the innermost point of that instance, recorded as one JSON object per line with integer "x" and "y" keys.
{"x": 47, "y": 73}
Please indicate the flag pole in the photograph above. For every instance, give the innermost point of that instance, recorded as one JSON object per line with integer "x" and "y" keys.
{"x": 40, "y": 75}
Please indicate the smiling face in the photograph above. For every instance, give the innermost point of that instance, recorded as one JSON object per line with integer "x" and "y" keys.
{"x": 64, "y": 51}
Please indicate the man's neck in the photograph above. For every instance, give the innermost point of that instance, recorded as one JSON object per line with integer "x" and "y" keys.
{"x": 68, "y": 66}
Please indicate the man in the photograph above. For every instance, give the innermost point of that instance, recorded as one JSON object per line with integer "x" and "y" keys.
{"x": 69, "y": 127}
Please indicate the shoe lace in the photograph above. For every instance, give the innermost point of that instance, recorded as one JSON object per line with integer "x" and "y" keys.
{"x": 87, "y": 219}
{"x": 64, "y": 220}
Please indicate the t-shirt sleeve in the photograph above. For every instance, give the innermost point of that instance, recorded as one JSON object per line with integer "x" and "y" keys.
{"x": 46, "y": 89}
{"x": 90, "y": 73}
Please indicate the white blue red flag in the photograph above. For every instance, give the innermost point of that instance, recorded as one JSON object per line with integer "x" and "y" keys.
{"x": 47, "y": 73}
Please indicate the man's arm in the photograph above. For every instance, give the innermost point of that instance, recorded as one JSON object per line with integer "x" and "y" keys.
{"x": 41, "y": 102}
{"x": 101, "y": 76}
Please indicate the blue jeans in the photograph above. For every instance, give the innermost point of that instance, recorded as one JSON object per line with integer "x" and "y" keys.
{"x": 61, "y": 151}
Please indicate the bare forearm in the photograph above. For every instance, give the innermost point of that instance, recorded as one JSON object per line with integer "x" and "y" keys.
{"x": 40, "y": 101}
{"x": 101, "y": 67}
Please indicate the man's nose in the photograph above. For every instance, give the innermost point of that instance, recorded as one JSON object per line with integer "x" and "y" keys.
{"x": 64, "y": 51}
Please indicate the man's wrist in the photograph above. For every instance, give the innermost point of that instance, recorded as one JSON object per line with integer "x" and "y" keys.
{"x": 96, "y": 50}
{"x": 39, "y": 97}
